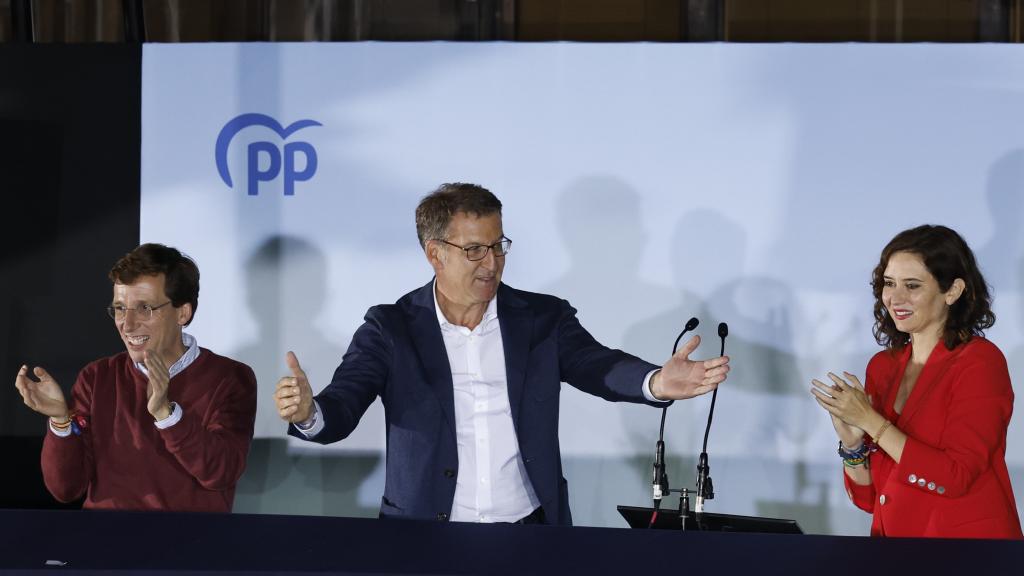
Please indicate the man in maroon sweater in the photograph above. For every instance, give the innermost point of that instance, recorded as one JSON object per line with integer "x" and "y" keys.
{"x": 165, "y": 425}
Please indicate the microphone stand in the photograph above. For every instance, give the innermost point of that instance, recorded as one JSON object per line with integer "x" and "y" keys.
{"x": 705, "y": 488}
{"x": 684, "y": 508}
{"x": 659, "y": 482}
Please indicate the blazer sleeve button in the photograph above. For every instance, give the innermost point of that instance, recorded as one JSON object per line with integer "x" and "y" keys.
{"x": 442, "y": 516}
{"x": 449, "y": 473}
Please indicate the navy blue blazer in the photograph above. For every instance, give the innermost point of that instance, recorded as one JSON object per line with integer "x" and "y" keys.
{"x": 398, "y": 354}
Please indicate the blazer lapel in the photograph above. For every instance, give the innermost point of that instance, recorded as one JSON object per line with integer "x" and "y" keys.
{"x": 934, "y": 368}
{"x": 516, "y": 321}
{"x": 890, "y": 386}
{"x": 429, "y": 344}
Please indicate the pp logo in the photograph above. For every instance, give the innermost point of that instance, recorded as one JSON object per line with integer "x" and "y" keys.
{"x": 277, "y": 158}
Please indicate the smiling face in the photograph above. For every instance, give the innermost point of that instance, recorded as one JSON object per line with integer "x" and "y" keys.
{"x": 913, "y": 298}
{"x": 162, "y": 332}
{"x": 461, "y": 281}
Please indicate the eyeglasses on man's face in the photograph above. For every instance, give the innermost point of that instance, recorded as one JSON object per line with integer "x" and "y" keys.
{"x": 476, "y": 252}
{"x": 142, "y": 311}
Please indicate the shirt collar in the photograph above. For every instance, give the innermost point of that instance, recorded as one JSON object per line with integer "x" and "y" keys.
{"x": 190, "y": 355}
{"x": 489, "y": 314}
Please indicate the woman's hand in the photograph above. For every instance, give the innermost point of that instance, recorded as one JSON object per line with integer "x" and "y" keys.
{"x": 848, "y": 405}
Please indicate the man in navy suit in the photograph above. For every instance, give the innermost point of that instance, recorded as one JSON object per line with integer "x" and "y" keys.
{"x": 469, "y": 372}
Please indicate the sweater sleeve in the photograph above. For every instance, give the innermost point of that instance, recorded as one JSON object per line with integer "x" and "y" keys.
{"x": 67, "y": 462}
{"x": 213, "y": 447}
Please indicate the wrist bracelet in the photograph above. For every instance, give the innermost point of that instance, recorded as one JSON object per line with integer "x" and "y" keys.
{"x": 61, "y": 425}
{"x": 78, "y": 423}
{"x": 858, "y": 453}
{"x": 885, "y": 426}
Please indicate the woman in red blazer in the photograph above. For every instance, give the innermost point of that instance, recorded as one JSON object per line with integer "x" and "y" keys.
{"x": 923, "y": 442}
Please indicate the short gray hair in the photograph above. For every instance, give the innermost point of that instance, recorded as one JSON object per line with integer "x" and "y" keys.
{"x": 435, "y": 210}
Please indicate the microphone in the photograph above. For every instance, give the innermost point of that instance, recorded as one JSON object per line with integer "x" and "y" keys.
{"x": 659, "y": 482}
{"x": 691, "y": 324}
{"x": 705, "y": 488}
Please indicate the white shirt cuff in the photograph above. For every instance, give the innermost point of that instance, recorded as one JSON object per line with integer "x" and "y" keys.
{"x": 171, "y": 420}
{"x": 314, "y": 425}
{"x": 647, "y": 387}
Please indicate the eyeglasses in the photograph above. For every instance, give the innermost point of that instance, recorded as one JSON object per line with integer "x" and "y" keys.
{"x": 142, "y": 311}
{"x": 476, "y": 252}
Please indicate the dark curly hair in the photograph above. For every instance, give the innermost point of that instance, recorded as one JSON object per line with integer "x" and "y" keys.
{"x": 947, "y": 257}
{"x": 181, "y": 275}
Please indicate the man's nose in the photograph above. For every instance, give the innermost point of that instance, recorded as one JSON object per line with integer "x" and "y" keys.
{"x": 489, "y": 261}
{"x": 131, "y": 319}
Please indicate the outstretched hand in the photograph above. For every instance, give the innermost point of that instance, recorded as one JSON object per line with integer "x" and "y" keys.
{"x": 682, "y": 378}
{"x": 293, "y": 395}
{"x": 44, "y": 396}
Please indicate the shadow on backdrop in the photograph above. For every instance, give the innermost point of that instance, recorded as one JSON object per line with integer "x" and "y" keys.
{"x": 600, "y": 223}
{"x": 286, "y": 281}
{"x": 760, "y": 404}
{"x": 1002, "y": 262}
{"x": 1001, "y": 258}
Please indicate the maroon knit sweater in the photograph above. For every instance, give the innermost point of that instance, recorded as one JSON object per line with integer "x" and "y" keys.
{"x": 123, "y": 461}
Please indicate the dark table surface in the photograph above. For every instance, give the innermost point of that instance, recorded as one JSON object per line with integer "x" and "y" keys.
{"x": 99, "y": 542}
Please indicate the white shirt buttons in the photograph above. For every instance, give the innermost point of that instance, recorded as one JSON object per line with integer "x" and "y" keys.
{"x": 912, "y": 478}
{"x": 881, "y": 499}
{"x": 484, "y": 430}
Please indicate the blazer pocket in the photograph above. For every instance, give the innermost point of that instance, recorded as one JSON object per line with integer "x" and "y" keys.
{"x": 978, "y": 519}
{"x": 998, "y": 526}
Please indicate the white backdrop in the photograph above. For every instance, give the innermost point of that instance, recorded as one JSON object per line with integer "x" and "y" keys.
{"x": 644, "y": 183}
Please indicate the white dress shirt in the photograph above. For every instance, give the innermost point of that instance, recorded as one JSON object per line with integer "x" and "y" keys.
{"x": 492, "y": 485}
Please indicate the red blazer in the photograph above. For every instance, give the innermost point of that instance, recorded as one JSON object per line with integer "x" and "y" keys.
{"x": 951, "y": 481}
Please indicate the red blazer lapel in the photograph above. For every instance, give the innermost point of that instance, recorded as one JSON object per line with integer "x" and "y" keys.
{"x": 939, "y": 361}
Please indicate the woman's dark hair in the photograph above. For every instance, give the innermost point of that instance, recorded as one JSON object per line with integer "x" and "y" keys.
{"x": 181, "y": 275}
{"x": 947, "y": 257}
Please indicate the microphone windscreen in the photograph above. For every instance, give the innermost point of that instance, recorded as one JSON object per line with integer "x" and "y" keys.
{"x": 692, "y": 323}
{"x": 723, "y": 330}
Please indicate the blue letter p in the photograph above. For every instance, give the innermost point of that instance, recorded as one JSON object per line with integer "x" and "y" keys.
{"x": 255, "y": 174}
